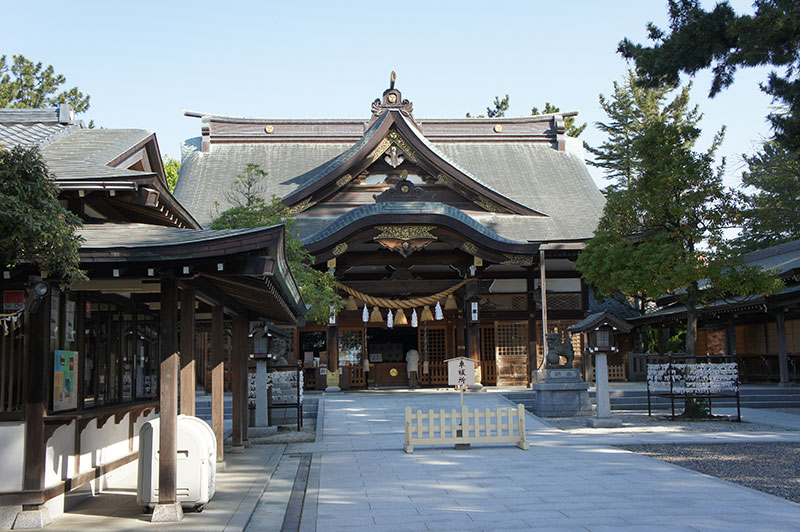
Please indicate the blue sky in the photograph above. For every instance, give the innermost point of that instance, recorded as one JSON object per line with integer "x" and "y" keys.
{"x": 143, "y": 62}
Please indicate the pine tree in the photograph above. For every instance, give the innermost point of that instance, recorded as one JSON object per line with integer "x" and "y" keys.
{"x": 569, "y": 122}
{"x": 28, "y": 85}
{"x": 631, "y": 109}
{"x": 772, "y": 214}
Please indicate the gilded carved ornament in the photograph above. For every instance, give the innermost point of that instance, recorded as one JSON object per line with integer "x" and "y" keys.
{"x": 342, "y": 181}
{"x": 339, "y": 248}
{"x": 470, "y": 248}
{"x": 300, "y": 207}
{"x": 518, "y": 260}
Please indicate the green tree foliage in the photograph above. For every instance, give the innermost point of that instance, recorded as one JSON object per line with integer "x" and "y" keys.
{"x": 772, "y": 213}
{"x": 498, "y": 109}
{"x": 172, "y": 169}
{"x": 252, "y": 210}
{"x": 569, "y": 122}
{"x": 664, "y": 233}
{"x": 722, "y": 40}
{"x": 25, "y": 84}
{"x": 631, "y": 109}
{"x": 34, "y": 227}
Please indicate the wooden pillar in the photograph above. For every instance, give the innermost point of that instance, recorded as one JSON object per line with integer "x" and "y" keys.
{"x": 473, "y": 327}
{"x": 731, "y": 338}
{"x": 187, "y": 350}
{"x": 239, "y": 392}
{"x": 217, "y": 377}
{"x": 530, "y": 300}
{"x": 246, "y": 350}
{"x": 168, "y": 401}
{"x": 461, "y": 326}
{"x": 37, "y": 349}
{"x": 663, "y": 338}
{"x": 783, "y": 358}
{"x": 332, "y": 343}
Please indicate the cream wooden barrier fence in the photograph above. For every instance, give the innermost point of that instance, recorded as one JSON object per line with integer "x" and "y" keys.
{"x": 503, "y": 425}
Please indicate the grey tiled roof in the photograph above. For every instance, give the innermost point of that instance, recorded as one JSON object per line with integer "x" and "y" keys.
{"x": 134, "y": 235}
{"x": 535, "y": 175}
{"x": 617, "y": 307}
{"x": 36, "y": 134}
{"x": 781, "y": 258}
{"x": 85, "y": 154}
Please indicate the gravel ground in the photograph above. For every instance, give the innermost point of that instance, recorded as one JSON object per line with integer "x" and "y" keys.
{"x": 640, "y": 422}
{"x": 773, "y": 468}
{"x": 289, "y": 434}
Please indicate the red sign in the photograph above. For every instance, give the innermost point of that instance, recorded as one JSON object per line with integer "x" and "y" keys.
{"x": 13, "y": 300}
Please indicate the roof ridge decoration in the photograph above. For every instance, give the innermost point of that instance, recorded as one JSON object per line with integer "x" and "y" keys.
{"x": 392, "y": 99}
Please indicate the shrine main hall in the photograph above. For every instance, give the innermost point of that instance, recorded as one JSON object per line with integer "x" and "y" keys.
{"x": 459, "y": 236}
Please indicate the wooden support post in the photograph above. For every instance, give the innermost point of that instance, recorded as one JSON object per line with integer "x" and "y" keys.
{"x": 168, "y": 508}
{"x": 530, "y": 300}
{"x": 543, "y": 290}
{"x": 663, "y": 339}
{"x": 37, "y": 349}
{"x": 246, "y": 350}
{"x": 217, "y": 377}
{"x": 239, "y": 392}
{"x": 783, "y": 359}
{"x": 473, "y": 328}
{"x": 333, "y": 358}
{"x": 187, "y": 350}
{"x": 731, "y": 338}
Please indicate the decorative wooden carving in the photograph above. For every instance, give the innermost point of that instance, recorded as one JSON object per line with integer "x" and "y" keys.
{"x": 392, "y": 99}
{"x": 300, "y": 207}
{"x": 339, "y": 248}
{"x": 518, "y": 260}
{"x": 404, "y": 190}
{"x": 470, "y": 248}
{"x": 405, "y": 239}
{"x": 395, "y": 157}
{"x": 342, "y": 181}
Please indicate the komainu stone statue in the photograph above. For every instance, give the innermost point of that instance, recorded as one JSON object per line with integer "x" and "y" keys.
{"x": 557, "y": 349}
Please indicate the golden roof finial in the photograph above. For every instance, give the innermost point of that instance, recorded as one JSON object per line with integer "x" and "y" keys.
{"x": 392, "y": 79}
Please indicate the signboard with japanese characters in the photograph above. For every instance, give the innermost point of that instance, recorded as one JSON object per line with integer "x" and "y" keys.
{"x": 460, "y": 371}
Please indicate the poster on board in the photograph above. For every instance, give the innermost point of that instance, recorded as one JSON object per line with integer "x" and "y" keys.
{"x": 65, "y": 387}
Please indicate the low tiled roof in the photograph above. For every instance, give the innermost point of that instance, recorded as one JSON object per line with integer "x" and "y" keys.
{"x": 135, "y": 235}
{"x": 86, "y": 153}
{"x": 402, "y": 208}
{"x": 35, "y": 127}
{"x": 781, "y": 258}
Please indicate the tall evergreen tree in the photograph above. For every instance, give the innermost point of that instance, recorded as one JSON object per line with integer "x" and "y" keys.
{"x": 25, "y": 84}
{"x": 664, "y": 232}
{"x": 631, "y": 109}
{"x": 497, "y": 110}
{"x": 724, "y": 41}
{"x": 772, "y": 214}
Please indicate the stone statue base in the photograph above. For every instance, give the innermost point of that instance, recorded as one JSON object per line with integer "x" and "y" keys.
{"x": 562, "y": 394}
{"x": 603, "y": 422}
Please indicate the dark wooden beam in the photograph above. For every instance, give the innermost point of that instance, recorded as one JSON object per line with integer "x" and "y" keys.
{"x": 385, "y": 257}
{"x": 168, "y": 407}
{"x": 211, "y": 295}
{"x": 217, "y": 377}
{"x": 187, "y": 350}
{"x": 392, "y": 288}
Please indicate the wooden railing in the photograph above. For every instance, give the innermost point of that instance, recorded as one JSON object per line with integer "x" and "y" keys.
{"x": 503, "y": 425}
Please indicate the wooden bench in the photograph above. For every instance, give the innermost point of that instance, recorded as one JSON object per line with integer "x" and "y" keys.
{"x": 503, "y": 425}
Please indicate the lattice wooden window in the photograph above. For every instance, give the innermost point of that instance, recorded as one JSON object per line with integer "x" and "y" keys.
{"x": 511, "y": 338}
{"x": 488, "y": 360}
{"x": 432, "y": 344}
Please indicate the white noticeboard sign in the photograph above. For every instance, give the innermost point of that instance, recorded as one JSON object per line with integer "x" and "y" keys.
{"x": 460, "y": 371}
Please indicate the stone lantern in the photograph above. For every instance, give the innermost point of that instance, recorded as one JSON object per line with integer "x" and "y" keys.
{"x": 600, "y": 329}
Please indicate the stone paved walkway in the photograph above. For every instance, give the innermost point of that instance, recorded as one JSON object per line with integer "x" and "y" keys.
{"x": 362, "y": 480}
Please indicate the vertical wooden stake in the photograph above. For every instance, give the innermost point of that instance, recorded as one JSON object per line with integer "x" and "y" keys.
{"x": 217, "y": 378}
{"x": 187, "y": 350}
{"x": 168, "y": 405}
